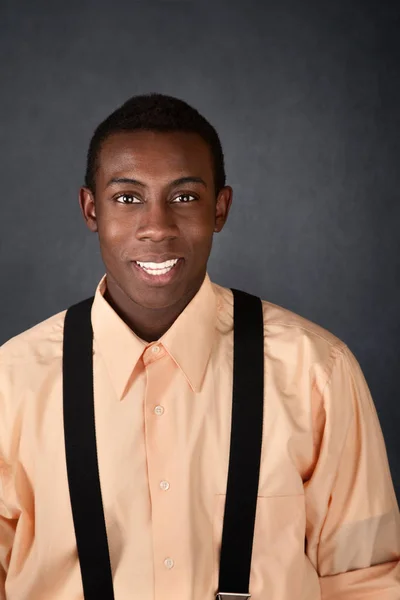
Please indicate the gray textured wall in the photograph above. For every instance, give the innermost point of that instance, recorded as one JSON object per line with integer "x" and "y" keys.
{"x": 306, "y": 97}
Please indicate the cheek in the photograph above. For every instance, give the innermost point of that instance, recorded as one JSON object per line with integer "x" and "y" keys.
{"x": 203, "y": 228}
{"x": 114, "y": 237}
{"x": 115, "y": 228}
{"x": 202, "y": 243}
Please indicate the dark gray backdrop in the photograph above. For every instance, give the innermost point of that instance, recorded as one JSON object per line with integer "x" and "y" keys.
{"x": 306, "y": 97}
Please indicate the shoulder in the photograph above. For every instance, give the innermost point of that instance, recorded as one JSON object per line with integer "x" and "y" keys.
{"x": 29, "y": 363}
{"x": 40, "y": 343}
{"x": 280, "y": 318}
{"x": 288, "y": 336}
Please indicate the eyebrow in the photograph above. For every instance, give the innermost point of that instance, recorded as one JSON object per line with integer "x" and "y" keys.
{"x": 173, "y": 183}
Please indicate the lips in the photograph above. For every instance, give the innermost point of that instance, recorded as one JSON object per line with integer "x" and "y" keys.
{"x": 157, "y": 258}
{"x": 158, "y": 276}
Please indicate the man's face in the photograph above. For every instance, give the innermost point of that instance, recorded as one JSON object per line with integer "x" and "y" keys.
{"x": 155, "y": 203}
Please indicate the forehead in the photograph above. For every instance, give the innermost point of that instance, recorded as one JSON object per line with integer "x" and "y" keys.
{"x": 155, "y": 154}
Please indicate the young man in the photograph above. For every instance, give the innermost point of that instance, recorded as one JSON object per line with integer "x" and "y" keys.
{"x": 133, "y": 501}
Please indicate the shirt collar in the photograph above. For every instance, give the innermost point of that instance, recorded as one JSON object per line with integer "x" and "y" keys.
{"x": 188, "y": 341}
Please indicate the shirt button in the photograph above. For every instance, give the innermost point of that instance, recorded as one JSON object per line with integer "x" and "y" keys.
{"x": 169, "y": 563}
{"x": 155, "y": 349}
{"x": 164, "y": 485}
{"x": 159, "y": 410}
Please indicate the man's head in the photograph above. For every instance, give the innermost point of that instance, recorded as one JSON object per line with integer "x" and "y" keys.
{"x": 155, "y": 192}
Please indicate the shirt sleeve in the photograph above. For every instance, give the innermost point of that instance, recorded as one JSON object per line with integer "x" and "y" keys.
{"x": 8, "y": 525}
{"x": 353, "y": 515}
{"x": 8, "y": 510}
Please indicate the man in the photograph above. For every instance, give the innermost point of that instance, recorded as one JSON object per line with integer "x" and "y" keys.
{"x": 326, "y": 521}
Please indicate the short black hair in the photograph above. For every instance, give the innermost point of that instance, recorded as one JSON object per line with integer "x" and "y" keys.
{"x": 156, "y": 112}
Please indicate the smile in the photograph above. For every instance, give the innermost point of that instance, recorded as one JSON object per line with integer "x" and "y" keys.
{"x": 158, "y": 274}
{"x": 157, "y": 268}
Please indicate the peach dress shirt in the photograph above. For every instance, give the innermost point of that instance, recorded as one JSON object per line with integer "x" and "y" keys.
{"x": 327, "y": 519}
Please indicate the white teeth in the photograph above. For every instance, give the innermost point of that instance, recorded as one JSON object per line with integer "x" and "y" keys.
{"x": 158, "y": 268}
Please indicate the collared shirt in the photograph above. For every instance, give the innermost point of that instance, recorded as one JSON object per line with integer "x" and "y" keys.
{"x": 327, "y": 520}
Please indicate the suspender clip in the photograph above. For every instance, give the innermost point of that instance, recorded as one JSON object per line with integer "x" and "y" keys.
{"x": 230, "y": 596}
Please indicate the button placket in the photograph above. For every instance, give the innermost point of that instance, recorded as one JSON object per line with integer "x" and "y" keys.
{"x": 160, "y": 434}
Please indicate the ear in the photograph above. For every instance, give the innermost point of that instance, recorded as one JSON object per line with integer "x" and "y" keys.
{"x": 88, "y": 207}
{"x": 222, "y": 207}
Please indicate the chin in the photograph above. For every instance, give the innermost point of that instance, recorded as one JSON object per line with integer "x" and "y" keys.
{"x": 153, "y": 297}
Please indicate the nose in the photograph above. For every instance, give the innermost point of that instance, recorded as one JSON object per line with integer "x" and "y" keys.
{"x": 157, "y": 223}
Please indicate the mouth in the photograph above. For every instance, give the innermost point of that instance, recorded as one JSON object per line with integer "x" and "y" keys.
{"x": 158, "y": 273}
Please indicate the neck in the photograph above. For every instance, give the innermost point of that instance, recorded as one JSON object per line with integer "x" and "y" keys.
{"x": 147, "y": 323}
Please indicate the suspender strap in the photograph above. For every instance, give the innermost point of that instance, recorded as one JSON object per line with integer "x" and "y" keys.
{"x": 245, "y": 449}
{"x": 81, "y": 454}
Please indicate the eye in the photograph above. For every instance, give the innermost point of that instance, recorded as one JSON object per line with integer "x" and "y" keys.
{"x": 185, "y": 196}
{"x": 127, "y": 199}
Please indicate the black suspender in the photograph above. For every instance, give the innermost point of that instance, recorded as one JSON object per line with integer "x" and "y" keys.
{"x": 244, "y": 460}
{"x": 245, "y": 451}
{"x": 81, "y": 454}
